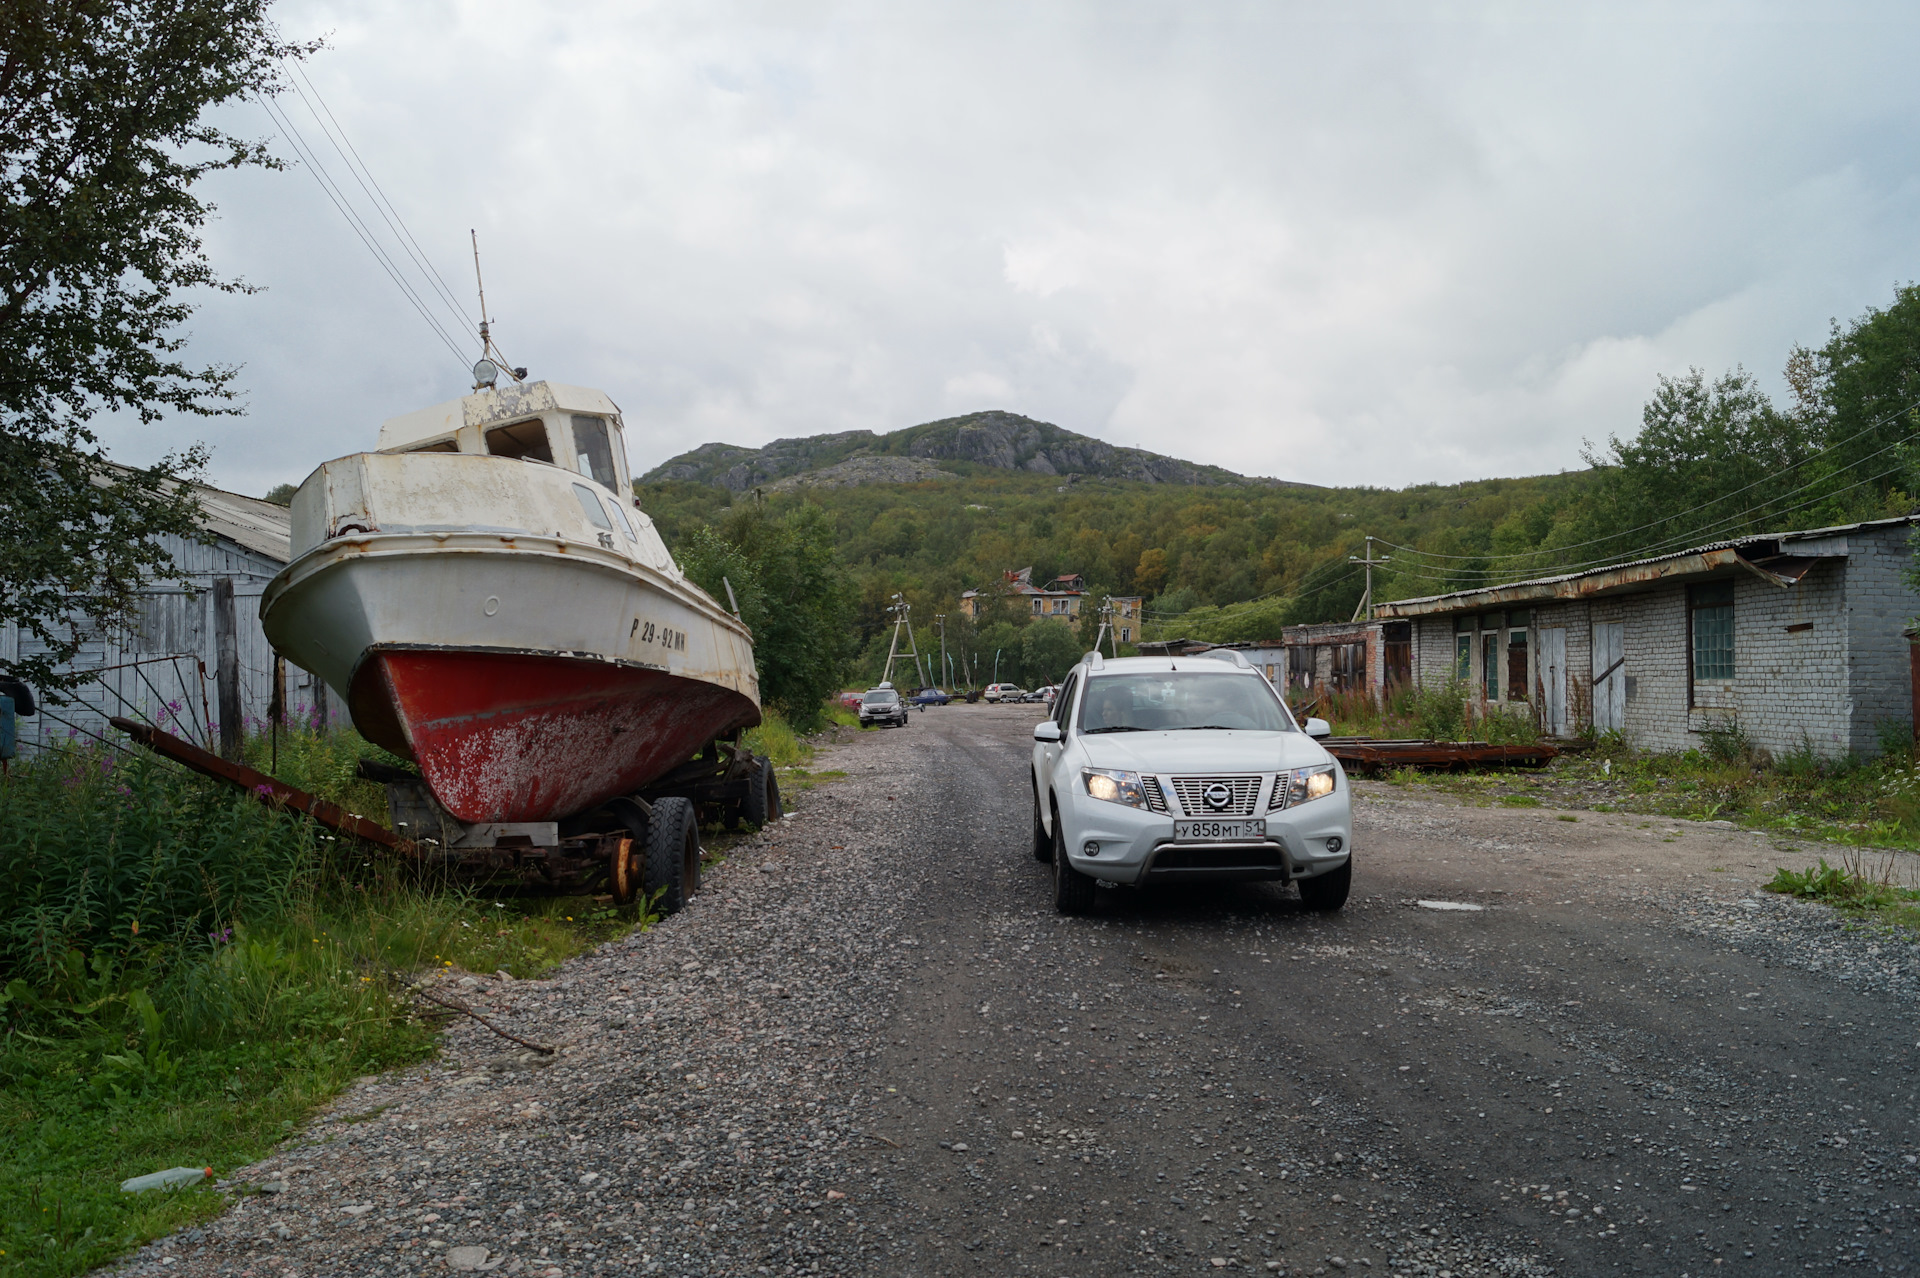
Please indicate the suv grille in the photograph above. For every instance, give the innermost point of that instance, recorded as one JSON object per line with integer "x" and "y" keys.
{"x": 1155, "y": 799}
{"x": 1192, "y": 793}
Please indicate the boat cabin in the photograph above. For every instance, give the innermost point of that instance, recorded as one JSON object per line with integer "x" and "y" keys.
{"x": 572, "y": 427}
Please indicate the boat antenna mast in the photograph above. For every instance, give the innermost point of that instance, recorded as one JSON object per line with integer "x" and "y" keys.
{"x": 487, "y": 370}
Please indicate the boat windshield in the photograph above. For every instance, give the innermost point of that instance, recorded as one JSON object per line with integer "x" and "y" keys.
{"x": 625, "y": 526}
{"x": 591, "y": 505}
{"x": 593, "y": 454}
{"x": 522, "y": 439}
{"x": 1181, "y": 700}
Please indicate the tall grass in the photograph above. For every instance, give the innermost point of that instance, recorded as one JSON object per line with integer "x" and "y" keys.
{"x": 1445, "y": 712}
{"x": 185, "y": 972}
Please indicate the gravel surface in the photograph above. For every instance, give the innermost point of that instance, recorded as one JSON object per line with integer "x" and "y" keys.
{"x": 870, "y": 1047}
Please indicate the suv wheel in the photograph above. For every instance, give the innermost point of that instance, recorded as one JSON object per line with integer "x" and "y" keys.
{"x": 1072, "y": 890}
{"x": 1327, "y": 892}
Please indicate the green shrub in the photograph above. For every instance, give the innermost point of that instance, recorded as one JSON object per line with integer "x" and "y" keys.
{"x": 1440, "y": 713}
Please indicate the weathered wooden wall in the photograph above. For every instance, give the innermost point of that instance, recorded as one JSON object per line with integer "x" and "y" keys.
{"x": 163, "y": 669}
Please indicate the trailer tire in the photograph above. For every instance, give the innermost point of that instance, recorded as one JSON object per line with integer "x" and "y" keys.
{"x": 775, "y": 810}
{"x": 754, "y": 808}
{"x": 673, "y": 853}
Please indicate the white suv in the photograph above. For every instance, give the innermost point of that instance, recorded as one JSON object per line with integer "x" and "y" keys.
{"x": 1003, "y": 692}
{"x": 1165, "y": 769}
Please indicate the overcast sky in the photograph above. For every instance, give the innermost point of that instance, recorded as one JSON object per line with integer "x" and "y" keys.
{"x": 1406, "y": 243}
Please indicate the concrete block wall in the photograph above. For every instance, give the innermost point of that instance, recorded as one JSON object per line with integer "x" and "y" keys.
{"x": 1790, "y": 658}
{"x": 1880, "y": 605}
{"x": 1432, "y": 651}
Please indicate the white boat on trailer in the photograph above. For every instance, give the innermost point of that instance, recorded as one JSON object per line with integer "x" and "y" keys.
{"x": 494, "y": 606}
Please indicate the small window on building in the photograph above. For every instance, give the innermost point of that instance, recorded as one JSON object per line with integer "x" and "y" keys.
{"x": 1126, "y": 634}
{"x": 590, "y": 504}
{"x": 1516, "y": 661}
{"x": 1517, "y": 620}
{"x": 1490, "y": 666}
{"x": 522, "y": 439}
{"x": 592, "y": 454}
{"x": 1710, "y": 618}
{"x": 1036, "y": 607}
{"x": 1463, "y": 657}
{"x": 1463, "y": 625}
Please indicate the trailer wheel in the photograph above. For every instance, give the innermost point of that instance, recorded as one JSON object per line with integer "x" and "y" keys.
{"x": 623, "y": 870}
{"x": 673, "y": 853}
{"x": 754, "y": 808}
{"x": 774, "y": 809}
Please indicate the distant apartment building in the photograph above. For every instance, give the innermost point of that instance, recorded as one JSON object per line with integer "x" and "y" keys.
{"x": 1058, "y": 600}
{"x": 1061, "y": 599}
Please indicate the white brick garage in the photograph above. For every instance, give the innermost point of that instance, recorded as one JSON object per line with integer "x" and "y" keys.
{"x": 1796, "y": 636}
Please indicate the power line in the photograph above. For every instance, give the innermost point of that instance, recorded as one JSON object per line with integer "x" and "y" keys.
{"x": 337, "y": 135}
{"x": 1871, "y": 426}
{"x": 1695, "y": 534}
{"x": 338, "y": 199}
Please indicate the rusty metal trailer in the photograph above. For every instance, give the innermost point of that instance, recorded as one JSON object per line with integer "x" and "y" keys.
{"x": 1372, "y": 753}
{"x": 645, "y": 842}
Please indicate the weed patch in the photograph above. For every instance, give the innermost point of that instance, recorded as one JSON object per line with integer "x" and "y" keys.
{"x": 186, "y": 973}
{"x": 1854, "y": 887}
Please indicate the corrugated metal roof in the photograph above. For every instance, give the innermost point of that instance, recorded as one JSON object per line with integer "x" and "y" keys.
{"x": 248, "y": 522}
{"x": 1621, "y": 576}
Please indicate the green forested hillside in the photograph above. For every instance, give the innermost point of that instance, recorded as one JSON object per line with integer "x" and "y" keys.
{"x": 1219, "y": 556}
{"x": 1189, "y": 550}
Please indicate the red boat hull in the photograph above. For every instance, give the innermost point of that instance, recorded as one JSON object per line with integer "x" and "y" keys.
{"x": 532, "y": 737}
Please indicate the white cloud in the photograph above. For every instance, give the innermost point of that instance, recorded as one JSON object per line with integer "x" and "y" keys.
{"x": 1381, "y": 247}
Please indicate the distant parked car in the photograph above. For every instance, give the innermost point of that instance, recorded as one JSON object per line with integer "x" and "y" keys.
{"x": 1004, "y": 692}
{"x": 883, "y": 706}
{"x": 851, "y": 700}
{"x": 931, "y": 697}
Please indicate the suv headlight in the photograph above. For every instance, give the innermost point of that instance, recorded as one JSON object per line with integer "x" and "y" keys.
{"x": 1114, "y": 786}
{"x": 1300, "y": 785}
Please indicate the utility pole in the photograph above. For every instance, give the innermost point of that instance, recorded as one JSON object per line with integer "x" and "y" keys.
{"x": 1106, "y": 627}
{"x": 1366, "y": 600}
{"x": 901, "y": 611}
{"x": 940, "y": 620}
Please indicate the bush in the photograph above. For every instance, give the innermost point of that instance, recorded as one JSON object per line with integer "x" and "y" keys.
{"x": 185, "y": 972}
{"x": 1725, "y": 741}
{"x": 1508, "y": 725}
{"x": 1439, "y": 713}
{"x": 795, "y": 595}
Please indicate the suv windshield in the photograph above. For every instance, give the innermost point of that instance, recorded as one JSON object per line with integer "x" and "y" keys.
{"x": 1177, "y": 700}
{"x": 882, "y": 698}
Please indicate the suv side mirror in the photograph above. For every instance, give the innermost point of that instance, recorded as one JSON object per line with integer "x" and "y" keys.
{"x": 1047, "y": 730}
{"x": 1317, "y": 728}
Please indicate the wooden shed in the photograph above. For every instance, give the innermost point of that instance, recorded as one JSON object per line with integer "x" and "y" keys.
{"x": 165, "y": 668}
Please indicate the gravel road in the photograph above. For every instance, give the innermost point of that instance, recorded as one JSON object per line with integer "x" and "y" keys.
{"x": 870, "y": 1047}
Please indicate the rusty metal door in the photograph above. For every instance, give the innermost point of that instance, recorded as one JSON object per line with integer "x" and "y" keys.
{"x": 1553, "y": 681}
{"x": 1609, "y": 676}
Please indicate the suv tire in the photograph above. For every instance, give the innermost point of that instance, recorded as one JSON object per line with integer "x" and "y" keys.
{"x": 1327, "y": 892}
{"x": 1072, "y": 890}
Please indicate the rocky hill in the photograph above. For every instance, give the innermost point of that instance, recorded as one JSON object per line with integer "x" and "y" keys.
{"x": 990, "y": 440}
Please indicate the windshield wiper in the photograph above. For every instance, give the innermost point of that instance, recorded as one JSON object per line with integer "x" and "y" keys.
{"x": 1205, "y": 727}
{"x": 1116, "y": 728}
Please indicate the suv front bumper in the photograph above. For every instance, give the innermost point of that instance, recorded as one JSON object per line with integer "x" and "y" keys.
{"x": 1136, "y": 846}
